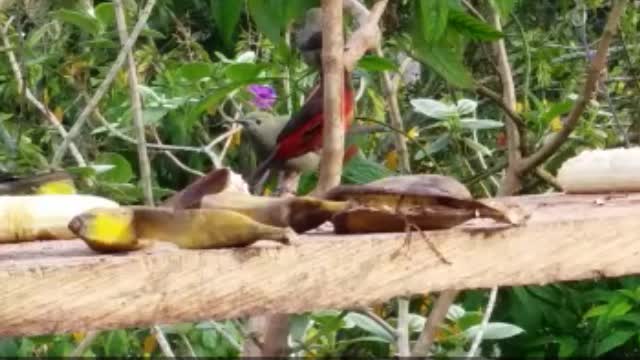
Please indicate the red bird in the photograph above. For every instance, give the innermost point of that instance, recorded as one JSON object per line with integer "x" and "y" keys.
{"x": 303, "y": 132}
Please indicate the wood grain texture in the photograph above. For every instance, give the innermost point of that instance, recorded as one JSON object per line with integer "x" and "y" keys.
{"x": 62, "y": 286}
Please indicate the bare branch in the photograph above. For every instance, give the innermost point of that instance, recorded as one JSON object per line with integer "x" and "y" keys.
{"x": 436, "y": 317}
{"x": 136, "y": 105}
{"x": 366, "y": 37}
{"x": 106, "y": 83}
{"x": 332, "y": 68}
{"x": 162, "y": 341}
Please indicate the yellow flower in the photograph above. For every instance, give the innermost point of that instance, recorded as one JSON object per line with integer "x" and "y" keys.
{"x": 413, "y": 133}
{"x": 391, "y": 160}
{"x": 78, "y": 336}
{"x": 149, "y": 344}
{"x": 556, "y": 124}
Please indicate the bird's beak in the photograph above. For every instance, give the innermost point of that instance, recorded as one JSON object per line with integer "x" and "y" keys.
{"x": 244, "y": 122}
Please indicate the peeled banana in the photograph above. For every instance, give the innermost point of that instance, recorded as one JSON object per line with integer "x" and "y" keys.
{"x": 112, "y": 230}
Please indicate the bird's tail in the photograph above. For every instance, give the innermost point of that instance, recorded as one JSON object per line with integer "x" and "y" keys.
{"x": 258, "y": 174}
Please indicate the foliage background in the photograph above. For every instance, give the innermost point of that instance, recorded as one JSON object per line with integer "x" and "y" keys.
{"x": 195, "y": 60}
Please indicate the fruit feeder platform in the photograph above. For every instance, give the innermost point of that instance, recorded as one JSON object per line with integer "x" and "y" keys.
{"x": 62, "y": 286}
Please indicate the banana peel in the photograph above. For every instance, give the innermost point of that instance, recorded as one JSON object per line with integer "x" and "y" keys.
{"x": 190, "y": 197}
{"x": 134, "y": 227}
{"x": 301, "y": 213}
{"x": 429, "y": 202}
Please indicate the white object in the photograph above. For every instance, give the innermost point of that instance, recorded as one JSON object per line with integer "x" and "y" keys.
{"x": 602, "y": 171}
{"x": 44, "y": 217}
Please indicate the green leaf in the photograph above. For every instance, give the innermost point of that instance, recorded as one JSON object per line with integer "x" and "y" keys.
{"x": 445, "y": 62}
{"x": 471, "y": 27}
{"x": 504, "y": 6}
{"x": 120, "y": 173}
{"x": 84, "y": 21}
{"x": 195, "y": 71}
{"x": 369, "y": 325}
{"x": 494, "y": 331}
{"x": 116, "y": 343}
{"x": 226, "y": 14}
{"x": 8, "y": 347}
{"x": 435, "y": 146}
{"x": 432, "y": 18}
{"x": 476, "y": 146}
{"x": 243, "y": 72}
{"x": 360, "y": 170}
{"x": 613, "y": 341}
{"x": 214, "y": 98}
{"x": 376, "y": 63}
{"x": 433, "y": 108}
{"x": 269, "y": 17}
{"x": 105, "y": 13}
{"x": 567, "y": 346}
{"x": 556, "y": 109}
{"x": 210, "y": 339}
{"x": 480, "y": 124}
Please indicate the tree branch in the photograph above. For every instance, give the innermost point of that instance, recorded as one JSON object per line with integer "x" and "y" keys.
{"x": 332, "y": 68}
{"x": 106, "y": 83}
{"x": 367, "y": 36}
{"x": 136, "y": 105}
{"x": 436, "y": 317}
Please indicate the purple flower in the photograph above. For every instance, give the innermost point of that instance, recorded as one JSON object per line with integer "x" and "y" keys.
{"x": 263, "y": 95}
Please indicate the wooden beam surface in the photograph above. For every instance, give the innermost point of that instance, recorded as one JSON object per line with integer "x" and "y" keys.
{"x": 62, "y": 286}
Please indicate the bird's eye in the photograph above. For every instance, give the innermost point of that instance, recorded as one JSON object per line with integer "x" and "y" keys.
{"x": 258, "y": 122}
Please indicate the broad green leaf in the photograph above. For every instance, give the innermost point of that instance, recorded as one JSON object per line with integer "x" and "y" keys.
{"x": 226, "y": 14}
{"x": 434, "y": 108}
{"x": 369, "y": 325}
{"x": 469, "y": 26}
{"x": 376, "y": 63}
{"x": 8, "y": 347}
{"x": 612, "y": 341}
{"x": 83, "y": 21}
{"x": 154, "y": 34}
{"x": 269, "y": 17}
{"x": 121, "y": 171}
{"x": 445, "y": 62}
{"x": 432, "y": 18}
{"x": 620, "y": 309}
{"x": 557, "y": 109}
{"x": 105, "y": 13}
{"x": 494, "y": 331}
{"x": 243, "y": 72}
{"x": 214, "y": 98}
{"x": 476, "y": 146}
{"x": 195, "y": 71}
{"x": 480, "y": 124}
{"x": 5, "y": 116}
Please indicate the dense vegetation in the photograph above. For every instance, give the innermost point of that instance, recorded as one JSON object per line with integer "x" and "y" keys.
{"x": 195, "y": 62}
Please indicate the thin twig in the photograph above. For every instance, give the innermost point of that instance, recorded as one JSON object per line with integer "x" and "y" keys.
{"x": 106, "y": 83}
{"x": 493, "y": 295}
{"x": 86, "y": 342}
{"x": 395, "y": 118}
{"x": 174, "y": 158}
{"x": 162, "y": 341}
{"x": 548, "y": 178}
{"x": 402, "y": 341}
{"x": 136, "y": 107}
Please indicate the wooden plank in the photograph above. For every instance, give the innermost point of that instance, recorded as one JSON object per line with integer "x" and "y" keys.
{"x": 62, "y": 286}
